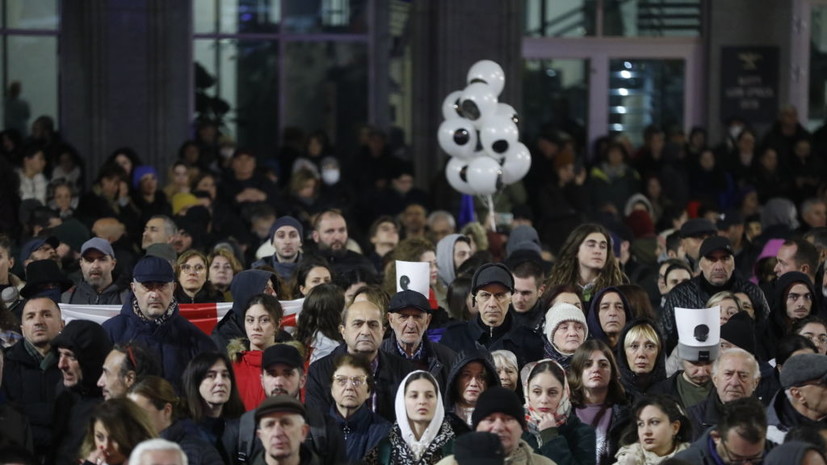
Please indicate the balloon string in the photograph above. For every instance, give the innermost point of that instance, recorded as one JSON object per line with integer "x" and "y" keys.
{"x": 491, "y": 218}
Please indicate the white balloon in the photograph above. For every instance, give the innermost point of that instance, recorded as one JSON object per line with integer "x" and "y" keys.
{"x": 484, "y": 175}
{"x": 517, "y": 163}
{"x": 453, "y": 172}
{"x": 498, "y": 134}
{"x": 450, "y": 106}
{"x": 504, "y": 109}
{"x": 457, "y": 137}
{"x": 477, "y": 102}
{"x": 489, "y": 72}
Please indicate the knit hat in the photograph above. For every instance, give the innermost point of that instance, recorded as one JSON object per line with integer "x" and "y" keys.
{"x": 287, "y": 221}
{"x": 139, "y": 172}
{"x": 740, "y": 331}
{"x": 800, "y": 369}
{"x": 561, "y": 312}
{"x": 498, "y": 400}
{"x": 523, "y": 237}
{"x": 183, "y": 200}
{"x": 491, "y": 273}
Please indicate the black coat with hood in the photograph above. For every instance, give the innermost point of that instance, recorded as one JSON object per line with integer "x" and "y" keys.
{"x": 636, "y": 385}
{"x": 593, "y": 316}
{"x": 244, "y": 286}
{"x": 779, "y": 324}
{"x": 478, "y": 354}
{"x": 73, "y": 405}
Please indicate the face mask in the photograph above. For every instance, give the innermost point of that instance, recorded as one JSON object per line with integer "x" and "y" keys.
{"x": 330, "y": 177}
{"x": 735, "y": 131}
{"x": 227, "y": 152}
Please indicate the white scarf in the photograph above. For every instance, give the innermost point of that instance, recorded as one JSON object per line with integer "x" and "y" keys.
{"x": 418, "y": 447}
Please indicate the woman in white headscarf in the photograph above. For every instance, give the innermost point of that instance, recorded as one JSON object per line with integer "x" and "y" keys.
{"x": 554, "y": 430}
{"x": 421, "y": 435}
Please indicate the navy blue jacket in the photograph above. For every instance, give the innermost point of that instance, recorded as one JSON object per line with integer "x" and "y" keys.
{"x": 362, "y": 431}
{"x": 175, "y": 342}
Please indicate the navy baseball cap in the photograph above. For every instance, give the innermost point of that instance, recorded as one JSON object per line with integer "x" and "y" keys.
{"x": 36, "y": 243}
{"x": 151, "y": 269}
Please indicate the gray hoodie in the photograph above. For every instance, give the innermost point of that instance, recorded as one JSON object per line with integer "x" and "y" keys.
{"x": 445, "y": 258}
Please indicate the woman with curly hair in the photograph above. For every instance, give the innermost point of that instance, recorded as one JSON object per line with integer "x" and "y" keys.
{"x": 115, "y": 427}
{"x": 421, "y": 435}
{"x": 587, "y": 261}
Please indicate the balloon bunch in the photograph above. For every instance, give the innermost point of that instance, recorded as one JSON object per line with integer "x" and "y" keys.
{"x": 481, "y": 135}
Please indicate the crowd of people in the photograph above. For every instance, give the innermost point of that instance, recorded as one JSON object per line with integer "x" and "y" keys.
{"x": 665, "y": 304}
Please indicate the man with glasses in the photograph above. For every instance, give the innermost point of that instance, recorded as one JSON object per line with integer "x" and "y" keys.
{"x": 491, "y": 289}
{"x": 803, "y": 398}
{"x": 362, "y": 329}
{"x": 151, "y": 317}
{"x": 739, "y": 438}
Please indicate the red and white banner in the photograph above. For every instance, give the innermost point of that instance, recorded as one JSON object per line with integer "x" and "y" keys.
{"x": 205, "y": 316}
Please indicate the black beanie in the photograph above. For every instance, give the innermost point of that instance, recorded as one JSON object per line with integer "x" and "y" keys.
{"x": 498, "y": 400}
{"x": 740, "y": 331}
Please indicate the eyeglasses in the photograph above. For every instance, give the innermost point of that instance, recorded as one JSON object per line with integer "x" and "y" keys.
{"x": 483, "y": 296}
{"x": 197, "y": 269}
{"x": 355, "y": 381}
{"x": 794, "y": 297}
{"x": 733, "y": 459}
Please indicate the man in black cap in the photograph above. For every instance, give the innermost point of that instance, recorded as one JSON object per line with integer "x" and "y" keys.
{"x": 81, "y": 349}
{"x": 151, "y": 317}
{"x": 286, "y": 236}
{"x": 491, "y": 289}
{"x": 282, "y": 429}
{"x": 282, "y": 374}
{"x": 717, "y": 265}
{"x": 409, "y": 315}
{"x": 803, "y": 398}
{"x": 499, "y": 411}
{"x": 693, "y": 233}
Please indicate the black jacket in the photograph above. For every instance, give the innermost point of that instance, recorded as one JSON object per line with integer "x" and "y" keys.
{"x": 362, "y": 431}
{"x": 83, "y": 293}
{"x": 32, "y": 390}
{"x": 705, "y": 415}
{"x": 186, "y": 434}
{"x": 466, "y": 336}
{"x": 392, "y": 370}
{"x": 440, "y": 358}
{"x": 245, "y": 285}
{"x": 636, "y": 385}
{"x": 782, "y": 416}
{"x": 702, "y": 451}
{"x": 696, "y": 292}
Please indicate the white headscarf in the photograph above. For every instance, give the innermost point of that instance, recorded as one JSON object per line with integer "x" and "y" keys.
{"x": 563, "y": 408}
{"x": 418, "y": 447}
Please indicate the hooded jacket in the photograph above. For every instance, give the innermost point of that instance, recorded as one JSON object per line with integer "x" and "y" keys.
{"x": 451, "y": 397}
{"x": 445, "y": 258}
{"x": 175, "y": 342}
{"x": 634, "y": 384}
{"x": 593, "y": 316}
{"x": 779, "y": 324}
{"x": 245, "y": 285}
{"x": 74, "y": 405}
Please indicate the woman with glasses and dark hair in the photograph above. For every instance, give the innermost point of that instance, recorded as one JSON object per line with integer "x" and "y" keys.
{"x": 351, "y": 387}
{"x": 212, "y": 400}
{"x": 554, "y": 430}
{"x": 661, "y": 430}
{"x": 421, "y": 434}
{"x": 598, "y": 396}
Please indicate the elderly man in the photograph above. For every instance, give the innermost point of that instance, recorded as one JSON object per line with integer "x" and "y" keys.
{"x": 499, "y": 411}
{"x": 803, "y": 398}
{"x": 717, "y": 265}
{"x": 797, "y": 255}
{"x": 331, "y": 236}
{"x": 282, "y": 374}
{"x": 158, "y": 452}
{"x": 151, "y": 317}
{"x": 124, "y": 366}
{"x": 282, "y": 429}
{"x": 739, "y": 437}
{"x": 286, "y": 236}
{"x": 409, "y": 315}
{"x": 159, "y": 229}
{"x": 362, "y": 329}
{"x": 735, "y": 375}
{"x": 80, "y": 348}
{"x": 31, "y": 375}
{"x": 97, "y": 261}
{"x": 491, "y": 289}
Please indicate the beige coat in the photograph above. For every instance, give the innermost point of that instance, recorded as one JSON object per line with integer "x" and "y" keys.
{"x": 522, "y": 455}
